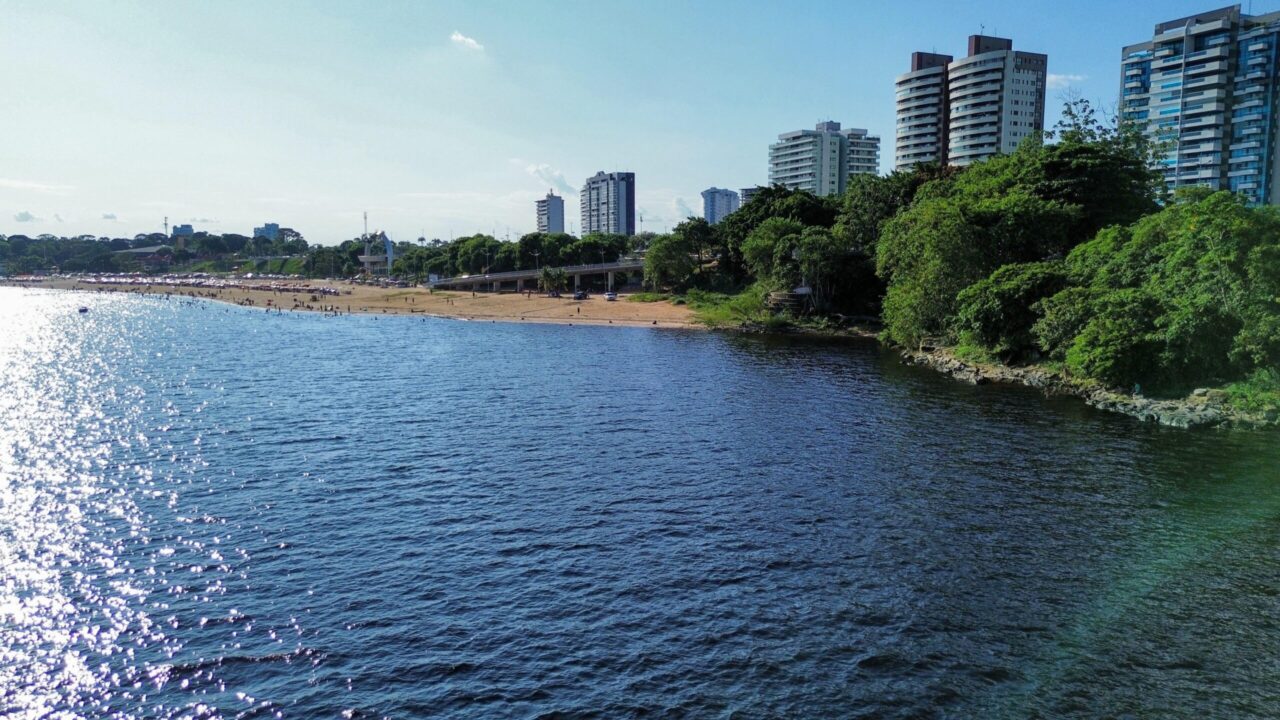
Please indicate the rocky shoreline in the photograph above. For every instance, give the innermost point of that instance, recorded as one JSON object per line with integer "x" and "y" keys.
{"x": 1204, "y": 407}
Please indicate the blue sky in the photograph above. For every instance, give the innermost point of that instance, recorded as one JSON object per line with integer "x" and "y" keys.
{"x": 452, "y": 117}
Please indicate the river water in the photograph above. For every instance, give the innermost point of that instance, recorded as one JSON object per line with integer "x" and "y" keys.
{"x": 208, "y": 510}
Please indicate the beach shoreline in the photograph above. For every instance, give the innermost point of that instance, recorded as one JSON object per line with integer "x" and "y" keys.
{"x": 344, "y": 298}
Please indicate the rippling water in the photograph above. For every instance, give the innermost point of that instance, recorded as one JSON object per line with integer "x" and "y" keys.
{"x": 212, "y": 510}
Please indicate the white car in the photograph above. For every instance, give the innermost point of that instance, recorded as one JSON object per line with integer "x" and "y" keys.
{"x": 611, "y": 296}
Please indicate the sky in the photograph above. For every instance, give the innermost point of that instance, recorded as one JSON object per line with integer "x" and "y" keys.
{"x": 447, "y": 118}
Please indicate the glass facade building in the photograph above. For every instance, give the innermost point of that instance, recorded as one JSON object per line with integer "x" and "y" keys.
{"x": 1204, "y": 90}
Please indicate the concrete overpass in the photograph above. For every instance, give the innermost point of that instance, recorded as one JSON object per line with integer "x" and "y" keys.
{"x": 495, "y": 281}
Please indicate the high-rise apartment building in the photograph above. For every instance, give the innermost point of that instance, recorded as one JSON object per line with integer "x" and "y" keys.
{"x": 608, "y": 204}
{"x": 550, "y": 213}
{"x": 717, "y": 203}
{"x": 863, "y": 156}
{"x": 747, "y": 193}
{"x": 922, "y": 111}
{"x": 821, "y": 160}
{"x": 960, "y": 111}
{"x": 1204, "y": 89}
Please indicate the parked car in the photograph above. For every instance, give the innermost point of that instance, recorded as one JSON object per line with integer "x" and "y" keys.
{"x": 611, "y": 296}
{"x": 580, "y": 295}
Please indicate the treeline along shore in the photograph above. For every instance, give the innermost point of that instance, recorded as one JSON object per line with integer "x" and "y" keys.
{"x": 1066, "y": 265}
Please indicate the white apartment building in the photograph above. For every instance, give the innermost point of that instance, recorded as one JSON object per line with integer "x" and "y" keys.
{"x": 608, "y": 204}
{"x": 820, "y": 160}
{"x": 717, "y": 203}
{"x": 922, "y": 111}
{"x": 550, "y": 213}
{"x": 994, "y": 99}
{"x": 863, "y": 156}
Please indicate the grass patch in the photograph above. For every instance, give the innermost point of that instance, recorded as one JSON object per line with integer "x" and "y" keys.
{"x": 648, "y": 297}
{"x": 1260, "y": 392}
{"x": 284, "y": 266}
{"x": 721, "y": 310}
{"x": 970, "y": 350}
{"x": 222, "y": 265}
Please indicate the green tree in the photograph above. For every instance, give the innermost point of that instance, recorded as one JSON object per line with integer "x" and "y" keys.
{"x": 669, "y": 263}
{"x": 697, "y": 234}
{"x": 1119, "y": 345}
{"x": 1000, "y": 310}
{"x": 926, "y": 256}
{"x": 769, "y": 252}
{"x": 1185, "y": 296}
{"x": 772, "y": 202}
{"x": 552, "y": 279}
{"x": 822, "y": 260}
{"x": 1061, "y": 317}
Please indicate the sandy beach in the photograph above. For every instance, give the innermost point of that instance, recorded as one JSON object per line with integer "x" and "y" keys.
{"x": 311, "y": 296}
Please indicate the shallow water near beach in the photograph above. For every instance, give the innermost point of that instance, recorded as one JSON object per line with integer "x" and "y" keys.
{"x": 211, "y": 510}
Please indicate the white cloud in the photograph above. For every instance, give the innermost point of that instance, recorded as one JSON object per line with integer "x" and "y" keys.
{"x": 40, "y": 187}
{"x": 109, "y": 216}
{"x": 25, "y": 216}
{"x": 551, "y": 176}
{"x": 1058, "y": 82}
{"x": 683, "y": 210}
{"x": 466, "y": 42}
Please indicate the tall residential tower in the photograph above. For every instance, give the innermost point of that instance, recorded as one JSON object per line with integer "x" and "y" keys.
{"x": 922, "y": 111}
{"x": 821, "y": 160}
{"x": 1204, "y": 89}
{"x": 608, "y": 204}
{"x": 960, "y": 111}
{"x": 717, "y": 203}
{"x": 550, "y": 213}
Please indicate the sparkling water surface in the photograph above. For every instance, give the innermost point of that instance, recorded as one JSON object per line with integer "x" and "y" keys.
{"x": 213, "y": 511}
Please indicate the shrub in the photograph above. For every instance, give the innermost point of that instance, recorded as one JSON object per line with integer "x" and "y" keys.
{"x": 1118, "y": 345}
{"x": 1260, "y": 392}
{"x": 1062, "y": 317}
{"x": 1000, "y": 311}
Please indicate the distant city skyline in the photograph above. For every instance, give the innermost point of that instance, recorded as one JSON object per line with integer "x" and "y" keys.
{"x": 454, "y": 118}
